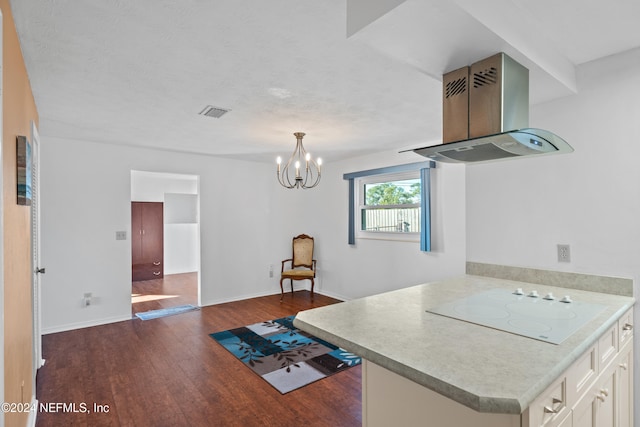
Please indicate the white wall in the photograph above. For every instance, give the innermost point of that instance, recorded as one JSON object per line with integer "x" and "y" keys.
{"x": 86, "y": 198}
{"x": 181, "y": 233}
{"x": 374, "y": 266}
{"x": 245, "y": 228}
{"x": 517, "y": 211}
{"x": 152, "y": 186}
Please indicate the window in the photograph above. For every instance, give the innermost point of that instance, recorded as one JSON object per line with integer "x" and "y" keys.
{"x": 391, "y": 203}
{"x": 389, "y": 206}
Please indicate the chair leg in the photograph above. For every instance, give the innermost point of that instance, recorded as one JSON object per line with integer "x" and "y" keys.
{"x": 281, "y": 290}
{"x": 291, "y": 281}
{"x": 312, "y": 284}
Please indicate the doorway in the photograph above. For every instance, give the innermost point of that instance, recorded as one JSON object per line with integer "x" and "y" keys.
{"x": 175, "y": 279}
{"x": 36, "y": 266}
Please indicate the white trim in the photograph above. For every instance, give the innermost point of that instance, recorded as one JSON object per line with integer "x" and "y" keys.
{"x": 240, "y": 298}
{"x": 106, "y": 321}
{"x": 269, "y": 293}
{"x": 33, "y": 415}
{"x": 360, "y": 182}
{"x": 1, "y": 227}
{"x": 335, "y": 296}
{"x": 133, "y": 174}
{"x": 36, "y": 293}
{"x": 80, "y": 325}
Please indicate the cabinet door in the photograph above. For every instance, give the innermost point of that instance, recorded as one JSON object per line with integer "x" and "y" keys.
{"x": 147, "y": 240}
{"x": 584, "y": 413}
{"x": 567, "y": 422}
{"x": 625, "y": 388}
{"x": 606, "y": 397}
{"x": 152, "y": 233}
{"x": 597, "y": 408}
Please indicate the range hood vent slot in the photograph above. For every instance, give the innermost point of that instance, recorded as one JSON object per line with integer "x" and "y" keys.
{"x": 456, "y": 87}
{"x": 486, "y": 77}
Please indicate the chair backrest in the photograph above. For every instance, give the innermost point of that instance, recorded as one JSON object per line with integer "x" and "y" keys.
{"x": 302, "y": 251}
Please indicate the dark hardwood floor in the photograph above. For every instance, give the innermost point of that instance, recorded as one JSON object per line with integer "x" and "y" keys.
{"x": 169, "y": 372}
{"x": 170, "y": 291}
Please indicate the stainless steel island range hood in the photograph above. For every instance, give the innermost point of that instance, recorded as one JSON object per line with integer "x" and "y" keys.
{"x": 486, "y": 115}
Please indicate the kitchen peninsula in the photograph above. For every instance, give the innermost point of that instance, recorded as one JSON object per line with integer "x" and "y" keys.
{"x": 421, "y": 366}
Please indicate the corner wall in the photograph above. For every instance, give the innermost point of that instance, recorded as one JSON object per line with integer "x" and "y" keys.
{"x": 245, "y": 229}
{"x": 374, "y": 266}
{"x": 517, "y": 211}
{"x": 19, "y": 110}
{"x": 86, "y": 198}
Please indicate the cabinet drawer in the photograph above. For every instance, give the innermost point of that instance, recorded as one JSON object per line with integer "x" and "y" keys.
{"x": 582, "y": 374}
{"x": 625, "y": 328}
{"x": 607, "y": 347}
{"x": 147, "y": 271}
{"x": 550, "y": 408}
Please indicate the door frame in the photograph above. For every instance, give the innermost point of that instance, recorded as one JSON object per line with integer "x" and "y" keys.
{"x": 162, "y": 175}
{"x": 1, "y": 223}
{"x": 36, "y": 295}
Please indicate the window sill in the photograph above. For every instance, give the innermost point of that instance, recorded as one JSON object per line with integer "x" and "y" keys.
{"x": 413, "y": 237}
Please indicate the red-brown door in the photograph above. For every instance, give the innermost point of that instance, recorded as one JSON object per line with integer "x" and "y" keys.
{"x": 147, "y": 240}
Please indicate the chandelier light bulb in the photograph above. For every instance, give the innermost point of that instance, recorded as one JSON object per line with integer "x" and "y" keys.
{"x": 289, "y": 178}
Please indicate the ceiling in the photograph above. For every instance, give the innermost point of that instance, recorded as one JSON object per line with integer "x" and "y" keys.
{"x": 358, "y": 76}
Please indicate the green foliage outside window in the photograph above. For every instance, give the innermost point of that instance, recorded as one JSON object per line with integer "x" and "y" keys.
{"x": 393, "y": 193}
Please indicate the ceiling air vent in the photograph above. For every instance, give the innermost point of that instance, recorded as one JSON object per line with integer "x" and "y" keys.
{"x": 211, "y": 111}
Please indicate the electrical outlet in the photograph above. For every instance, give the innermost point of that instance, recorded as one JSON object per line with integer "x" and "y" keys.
{"x": 87, "y": 299}
{"x": 271, "y": 270}
{"x": 564, "y": 253}
{"x": 121, "y": 235}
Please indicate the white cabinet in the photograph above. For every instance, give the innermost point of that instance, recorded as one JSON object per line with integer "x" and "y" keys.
{"x": 596, "y": 391}
{"x": 550, "y": 408}
{"x": 598, "y": 406}
{"x": 567, "y": 422}
{"x": 625, "y": 387}
{"x": 599, "y": 385}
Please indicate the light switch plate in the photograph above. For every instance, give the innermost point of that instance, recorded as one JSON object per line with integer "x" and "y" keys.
{"x": 121, "y": 235}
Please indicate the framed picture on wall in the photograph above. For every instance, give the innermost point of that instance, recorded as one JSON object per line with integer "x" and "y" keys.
{"x": 23, "y": 163}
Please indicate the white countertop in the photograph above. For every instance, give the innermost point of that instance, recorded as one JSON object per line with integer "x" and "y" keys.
{"x": 485, "y": 369}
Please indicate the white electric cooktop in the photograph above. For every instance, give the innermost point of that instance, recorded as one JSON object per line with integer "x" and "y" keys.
{"x": 523, "y": 312}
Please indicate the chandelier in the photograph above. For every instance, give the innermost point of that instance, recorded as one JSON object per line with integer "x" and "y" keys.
{"x": 291, "y": 176}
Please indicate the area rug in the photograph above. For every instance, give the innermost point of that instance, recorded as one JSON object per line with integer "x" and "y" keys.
{"x": 285, "y": 357}
{"x": 163, "y": 312}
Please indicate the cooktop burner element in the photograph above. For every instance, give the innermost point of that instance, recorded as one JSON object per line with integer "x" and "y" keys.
{"x": 529, "y": 314}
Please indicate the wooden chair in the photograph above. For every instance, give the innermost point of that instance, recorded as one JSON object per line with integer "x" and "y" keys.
{"x": 303, "y": 266}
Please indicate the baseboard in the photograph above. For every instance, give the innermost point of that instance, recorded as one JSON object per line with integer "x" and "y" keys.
{"x": 238, "y": 298}
{"x": 80, "y": 325}
{"x": 334, "y": 295}
{"x": 98, "y": 322}
{"x": 268, "y": 293}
